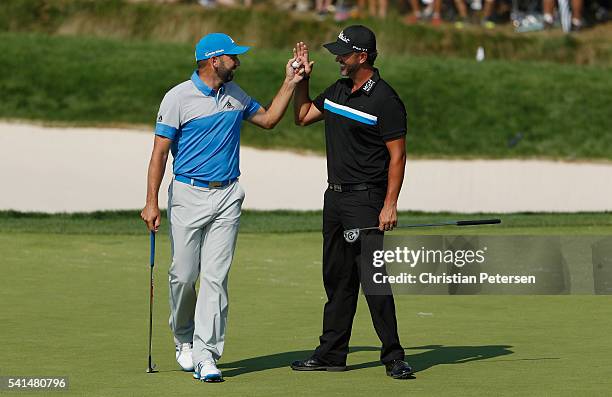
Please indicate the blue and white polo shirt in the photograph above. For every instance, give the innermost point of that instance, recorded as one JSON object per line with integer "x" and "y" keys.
{"x": 204, "y": 127}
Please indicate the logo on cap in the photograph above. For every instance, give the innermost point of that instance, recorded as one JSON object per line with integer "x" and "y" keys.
{"x": 208, "y": 54}
{"x": 342, "y": 37}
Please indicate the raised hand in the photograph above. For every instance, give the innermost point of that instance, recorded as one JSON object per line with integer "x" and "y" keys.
{"x": 293, "y": 71}
{"x": 299, "y": 67}
{"x": 301, "y": 52}
{"x": 291, "y": 74}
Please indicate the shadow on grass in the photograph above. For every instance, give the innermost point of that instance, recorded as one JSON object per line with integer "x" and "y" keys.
{"x": 262, "y": 363}
{"x": 438, "y": 354}
{"x": 435, "y": 355}
{"x": 161, "y": 371}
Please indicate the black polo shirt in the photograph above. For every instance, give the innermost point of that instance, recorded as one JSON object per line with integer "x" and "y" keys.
{"x": 357, "y": 125}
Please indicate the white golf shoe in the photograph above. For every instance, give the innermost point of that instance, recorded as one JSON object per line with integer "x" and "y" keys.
{"x": 207, "y": 371}
{"x": 184, "y": 356}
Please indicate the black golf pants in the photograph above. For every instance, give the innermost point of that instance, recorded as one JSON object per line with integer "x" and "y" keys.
{"x": 341, "y": 211}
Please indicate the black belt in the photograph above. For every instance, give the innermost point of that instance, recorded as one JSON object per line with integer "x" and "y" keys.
{"x": 352, "y": 187}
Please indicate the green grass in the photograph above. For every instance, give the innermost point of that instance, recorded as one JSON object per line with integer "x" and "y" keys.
{"x": 77, "y": 306}
{"x": 272, "y": 28}
{"x": 456, "y": 108}
{"x": 254, "y": 222}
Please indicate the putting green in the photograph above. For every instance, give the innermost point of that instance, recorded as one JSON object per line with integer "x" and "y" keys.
{"x": 77, "y": 306}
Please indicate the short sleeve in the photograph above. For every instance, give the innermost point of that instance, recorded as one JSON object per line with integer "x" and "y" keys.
{"x": 392, "y": 119}
{"x": 168, "y": 116}
{"x": 250, "y": 109}
{"x": 319, "y": 101}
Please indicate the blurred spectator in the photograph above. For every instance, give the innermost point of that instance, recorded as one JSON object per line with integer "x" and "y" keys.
{"x": 487, "y": 14}
{"x": 475, "y": 5}
{"x": 548, "y": 7}
{"x": 417, "y": 15}
{"x": 302, "y": 5}
{"x": 376, "y": 8}
{"x": 345, "y": 11}
{"x": 322, "y": 6}
{"x": 297, "y": 5}
{"x": 230, "y": 3}
{"x": 463, "y": 14}
{"x": 577, "y": 22}
{"x": 431, "y": 10}
{"x": 207, "y": 3}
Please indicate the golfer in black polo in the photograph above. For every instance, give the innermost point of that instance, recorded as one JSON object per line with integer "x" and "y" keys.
{"x": 365, "y": 129}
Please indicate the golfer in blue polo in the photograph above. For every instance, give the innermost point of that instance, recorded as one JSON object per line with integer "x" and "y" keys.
{"x": 199, "y": 121}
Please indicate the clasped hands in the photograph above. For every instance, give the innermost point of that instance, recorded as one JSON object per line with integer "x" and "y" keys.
{"x": 299, "y": 66}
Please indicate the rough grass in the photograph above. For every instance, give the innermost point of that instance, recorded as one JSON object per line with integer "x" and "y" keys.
{"x": 456, "y": 108}
{"x": 269, "y": 28}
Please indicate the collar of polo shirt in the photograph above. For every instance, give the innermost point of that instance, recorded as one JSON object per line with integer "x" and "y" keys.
{"x": 367, "y": 87}
{"x": 201, "y": 86}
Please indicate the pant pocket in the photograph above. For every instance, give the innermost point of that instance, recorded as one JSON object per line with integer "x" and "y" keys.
{"x": 241, "y": 190}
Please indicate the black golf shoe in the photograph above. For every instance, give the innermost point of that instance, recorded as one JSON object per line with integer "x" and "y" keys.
{"x": 314, "y": 364}
{"x": 399, "y": 369}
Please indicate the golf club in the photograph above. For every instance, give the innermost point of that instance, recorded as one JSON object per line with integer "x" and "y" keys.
{"x": 352, "y": 235}
{"x": 151, "y": 367}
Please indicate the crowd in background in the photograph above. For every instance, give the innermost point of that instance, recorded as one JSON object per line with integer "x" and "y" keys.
{"x": 525, "y": 15}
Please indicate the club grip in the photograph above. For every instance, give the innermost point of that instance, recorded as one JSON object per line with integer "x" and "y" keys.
{"x": 152, "y": 260}
{"x": 479, "y": 222}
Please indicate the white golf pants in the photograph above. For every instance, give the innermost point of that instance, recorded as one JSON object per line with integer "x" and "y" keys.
{"x": 203, "y": 228}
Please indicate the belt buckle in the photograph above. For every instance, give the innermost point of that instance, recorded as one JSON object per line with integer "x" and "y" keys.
{"x": 215, "y": 184}
{"x": 336, "y": 188}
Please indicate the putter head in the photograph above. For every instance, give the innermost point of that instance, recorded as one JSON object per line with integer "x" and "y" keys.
{"x": 151, "y": 369}
{"x": 351, "y": 235}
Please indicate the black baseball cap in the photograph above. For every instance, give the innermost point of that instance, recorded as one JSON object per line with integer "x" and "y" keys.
{"x": 355, "y": 38}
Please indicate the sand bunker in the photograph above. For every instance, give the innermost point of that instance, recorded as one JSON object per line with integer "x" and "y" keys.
{"x": 86, "y": 169}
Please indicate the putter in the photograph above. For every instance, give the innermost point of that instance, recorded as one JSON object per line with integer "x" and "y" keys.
{"x": 151, "y": 367}
{"x": 351, "y": 235}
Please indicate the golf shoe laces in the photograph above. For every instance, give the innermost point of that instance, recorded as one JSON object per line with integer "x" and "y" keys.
{"x": 185, "y": 347}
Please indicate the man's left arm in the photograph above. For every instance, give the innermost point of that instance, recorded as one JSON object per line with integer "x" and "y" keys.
{"x": 268, "y": 118}
{"x": 392, "y": 125}
{"x": 397, "y": 163}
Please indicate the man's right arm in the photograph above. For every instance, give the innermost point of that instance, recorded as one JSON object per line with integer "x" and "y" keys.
{"x": 304, "y": 111}
{"x": 157, "y": 165}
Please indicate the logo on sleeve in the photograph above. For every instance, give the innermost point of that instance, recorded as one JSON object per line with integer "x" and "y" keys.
{"x": 159, "y": 119}
{"x": 229, "y": 106}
